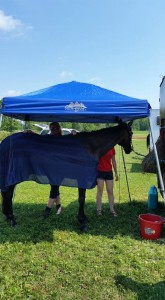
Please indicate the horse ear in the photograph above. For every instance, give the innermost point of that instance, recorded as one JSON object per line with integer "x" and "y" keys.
{"x": 130, "y": 123}
{"x": 118, "y": 120}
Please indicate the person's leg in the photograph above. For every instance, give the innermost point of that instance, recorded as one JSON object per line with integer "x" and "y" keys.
{"x": 58, "y": 205}
{"x": 51, "y": 201}
{"x": 109, "y": 188}
{"x": 100, "y": 187}
{"x": 54, "y": 197}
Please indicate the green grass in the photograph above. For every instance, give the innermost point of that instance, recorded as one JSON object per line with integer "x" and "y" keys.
{"x": 140, "y": 133}
{"x": 54, "y": 260}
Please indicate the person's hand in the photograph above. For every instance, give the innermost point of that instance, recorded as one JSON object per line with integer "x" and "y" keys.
{"x": 116, "y": 177}
{"x": 74, "y": 132}
{"x": 28, "y": 131}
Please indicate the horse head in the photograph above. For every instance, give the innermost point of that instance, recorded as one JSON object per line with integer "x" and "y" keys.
{"x": 126, "y": 142}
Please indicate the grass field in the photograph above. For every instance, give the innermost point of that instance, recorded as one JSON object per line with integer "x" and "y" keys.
{"x": 52, "y": 259}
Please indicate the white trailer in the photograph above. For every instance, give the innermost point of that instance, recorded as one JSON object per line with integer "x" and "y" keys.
{"x": 155, "y": 120}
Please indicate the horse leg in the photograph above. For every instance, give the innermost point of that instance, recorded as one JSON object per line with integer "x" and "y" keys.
{"x": 81, "y": 215}
{"x": 7, "y": 206}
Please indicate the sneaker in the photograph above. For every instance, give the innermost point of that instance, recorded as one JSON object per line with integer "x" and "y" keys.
{"x": 113, "y": 213}
{"x": 58, "y": 209}
{"x": 99, "y": 212}
{"x": 46, "y": 212}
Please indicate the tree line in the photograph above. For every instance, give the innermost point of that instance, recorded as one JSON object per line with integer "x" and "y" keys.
{"x": 12, "y": 125}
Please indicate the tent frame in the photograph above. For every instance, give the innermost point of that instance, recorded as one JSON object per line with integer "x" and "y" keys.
{"x": 157, "y": 162}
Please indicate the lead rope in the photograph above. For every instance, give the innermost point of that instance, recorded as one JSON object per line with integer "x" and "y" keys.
{"x": 137, "y": 152}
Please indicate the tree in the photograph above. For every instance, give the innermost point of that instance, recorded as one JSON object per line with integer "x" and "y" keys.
{"x": 10, "y": 124}
{"x": 141, "y": 124}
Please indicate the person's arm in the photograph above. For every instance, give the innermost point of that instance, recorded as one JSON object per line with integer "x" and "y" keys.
{"x": 29, "y": 131}
{"x": 114, "y": 165}
{"x": 73, "y": 132}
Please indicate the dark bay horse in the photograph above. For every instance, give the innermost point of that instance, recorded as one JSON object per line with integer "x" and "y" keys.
{"x": 67, "y": 160}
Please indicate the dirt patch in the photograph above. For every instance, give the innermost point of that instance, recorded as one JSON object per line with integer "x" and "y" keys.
{"x": 139, "y": 137}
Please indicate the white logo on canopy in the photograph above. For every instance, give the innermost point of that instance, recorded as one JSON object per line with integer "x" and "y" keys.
{"x": 75, "y": 106}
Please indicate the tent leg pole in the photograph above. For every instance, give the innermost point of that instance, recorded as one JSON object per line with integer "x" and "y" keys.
{"x": 126, "y": 174}
{"x": 157, "y": 162}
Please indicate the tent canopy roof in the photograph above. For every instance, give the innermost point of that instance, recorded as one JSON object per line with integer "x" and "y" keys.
{"x": 75, "y": 102}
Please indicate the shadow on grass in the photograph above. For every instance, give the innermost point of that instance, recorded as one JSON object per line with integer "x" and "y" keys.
{"x": 144, "y": 291}
{"x": 32, "y": 227}
{"x": 136, "y": 168}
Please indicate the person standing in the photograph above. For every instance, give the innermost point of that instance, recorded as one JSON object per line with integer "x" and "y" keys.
{"x": 54, "y": 196}
{"x": 106, "y": 166}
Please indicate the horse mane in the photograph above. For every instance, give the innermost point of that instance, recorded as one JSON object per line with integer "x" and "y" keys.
{"x": 95, "y": 133}
{"x": 98, "y": 142}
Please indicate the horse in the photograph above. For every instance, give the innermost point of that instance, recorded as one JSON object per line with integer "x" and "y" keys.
{"x": 75, "y": 157}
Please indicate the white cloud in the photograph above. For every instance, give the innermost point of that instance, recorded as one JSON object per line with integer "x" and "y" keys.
{"x": 12, "y": 93}
{"x": 8, "y": 24}
{"x": 65, "y": 74}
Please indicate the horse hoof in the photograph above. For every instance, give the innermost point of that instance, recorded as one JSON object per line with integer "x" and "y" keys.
{"x": 13, "y": 223}
{"x": 84, "y": 228}
{"x": 11, "y": 220}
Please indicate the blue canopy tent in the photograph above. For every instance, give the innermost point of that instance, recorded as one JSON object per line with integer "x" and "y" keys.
{"x": 67, "y": 102}
{"x": 75, "y": 102}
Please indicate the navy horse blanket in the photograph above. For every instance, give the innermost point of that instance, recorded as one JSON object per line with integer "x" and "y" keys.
{"x": 47, "y": 160}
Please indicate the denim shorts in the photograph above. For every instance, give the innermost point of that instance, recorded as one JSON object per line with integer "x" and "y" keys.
{"x": 105, "y": 175}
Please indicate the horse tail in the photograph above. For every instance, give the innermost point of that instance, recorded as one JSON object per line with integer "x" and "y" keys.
{"x": 148, "y": 141}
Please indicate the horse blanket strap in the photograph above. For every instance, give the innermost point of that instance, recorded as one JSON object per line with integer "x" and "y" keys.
{"x": 47, "y": 160}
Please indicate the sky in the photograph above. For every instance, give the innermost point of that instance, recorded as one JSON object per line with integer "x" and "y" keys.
{"x": 116, "y": 44}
